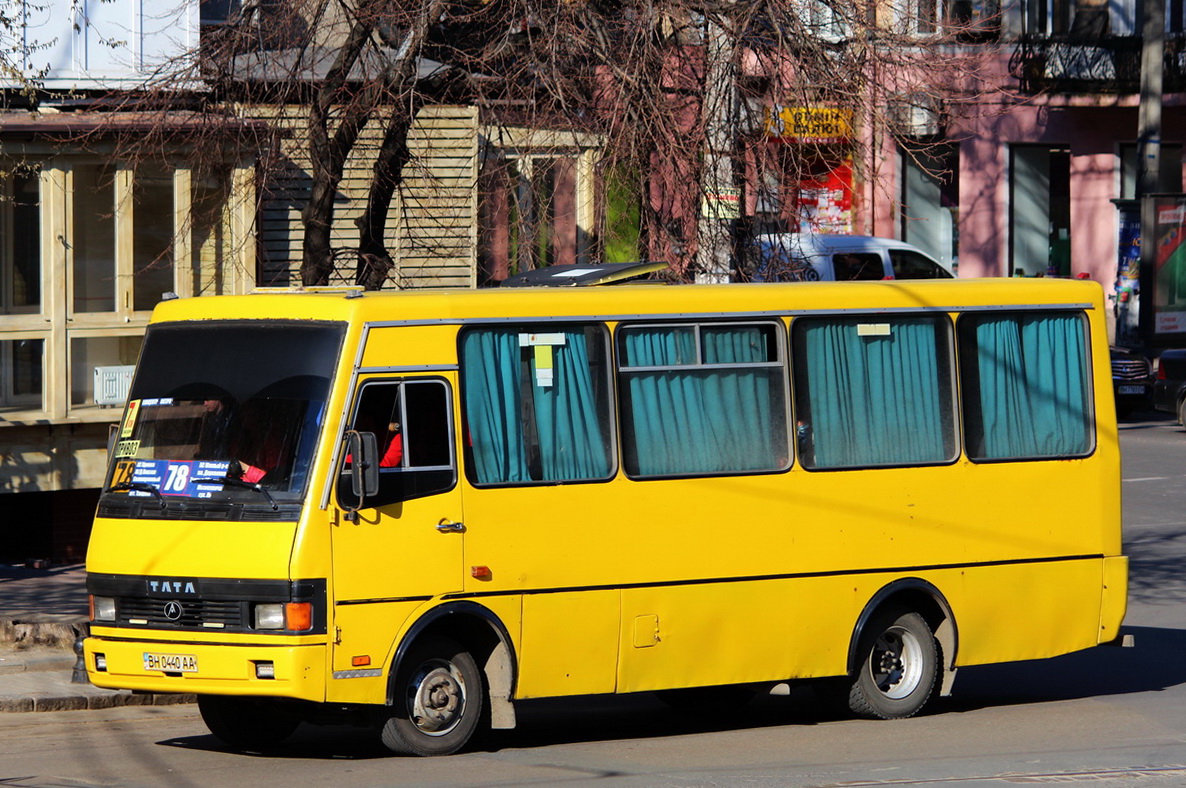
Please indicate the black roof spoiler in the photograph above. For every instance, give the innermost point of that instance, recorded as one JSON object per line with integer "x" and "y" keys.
{"x": 582, "y": 275}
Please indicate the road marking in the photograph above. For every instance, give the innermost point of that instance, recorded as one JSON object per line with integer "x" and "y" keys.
{"x": 1149, "y": 479}
{"x": 1137, "y": 773}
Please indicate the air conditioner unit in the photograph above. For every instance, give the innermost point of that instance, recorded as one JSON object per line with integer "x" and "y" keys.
{"x": 112, "y": 384}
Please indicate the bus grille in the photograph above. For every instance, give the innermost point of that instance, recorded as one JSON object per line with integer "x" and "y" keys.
{"x": 193, "y": 613}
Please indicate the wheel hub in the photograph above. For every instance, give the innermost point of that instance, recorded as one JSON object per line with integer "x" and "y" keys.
{"x": 438, "y": 700}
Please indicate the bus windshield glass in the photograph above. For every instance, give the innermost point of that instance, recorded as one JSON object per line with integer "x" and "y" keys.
{"x": 222, "y": 420}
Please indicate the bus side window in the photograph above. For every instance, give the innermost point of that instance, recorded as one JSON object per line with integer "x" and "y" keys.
{"x": 412, "y": 422}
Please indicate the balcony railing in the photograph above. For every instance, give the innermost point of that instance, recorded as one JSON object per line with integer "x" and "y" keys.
{"x": 1099, "y": 64}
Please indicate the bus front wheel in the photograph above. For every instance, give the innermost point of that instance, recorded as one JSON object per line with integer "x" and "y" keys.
{"x": 246, "y": 723}
{"x": 898, "y": 668}
{"x": 438, "y": 700}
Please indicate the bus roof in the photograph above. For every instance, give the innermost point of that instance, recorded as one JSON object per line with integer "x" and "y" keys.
{"x": 628, "y": 301}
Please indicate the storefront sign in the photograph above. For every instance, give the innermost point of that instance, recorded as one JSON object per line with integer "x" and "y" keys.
{"x": 808, "y": 124}
{"x": 724, "y": 204}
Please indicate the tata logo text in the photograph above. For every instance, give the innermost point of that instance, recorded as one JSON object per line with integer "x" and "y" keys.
{"x": 172, "y": 587}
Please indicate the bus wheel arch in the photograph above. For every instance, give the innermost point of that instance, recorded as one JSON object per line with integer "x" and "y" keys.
{"x": 885, "y": 614}
{"x": 480, "y": 634}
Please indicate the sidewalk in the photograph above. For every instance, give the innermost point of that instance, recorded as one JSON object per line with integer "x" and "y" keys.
{"x": 42, "y": 612}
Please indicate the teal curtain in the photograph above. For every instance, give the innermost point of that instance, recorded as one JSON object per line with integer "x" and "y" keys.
{"x": 1032, "y": 386}
{"x": 876, "y": 399}
{"x": 685, "y": 419}
{"x": 571, "y": 442}
{"x": 490, "y": 364}
{"x": 522, "y": 431}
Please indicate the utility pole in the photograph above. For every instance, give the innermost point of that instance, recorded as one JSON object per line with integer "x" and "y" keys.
{"x": 1148, "y": 154}
{"x": 720, "y": 199}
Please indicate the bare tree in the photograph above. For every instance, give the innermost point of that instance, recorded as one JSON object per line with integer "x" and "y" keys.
{"x": 679, "y": 91}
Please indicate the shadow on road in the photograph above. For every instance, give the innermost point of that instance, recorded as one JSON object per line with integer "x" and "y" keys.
{"x": 1153, "y": 664}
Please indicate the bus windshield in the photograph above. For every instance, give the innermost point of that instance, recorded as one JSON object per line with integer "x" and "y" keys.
{"x": 222, "y": 420}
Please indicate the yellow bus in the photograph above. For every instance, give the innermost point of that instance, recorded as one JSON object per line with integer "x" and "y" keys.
{"x": 411, "y": 510}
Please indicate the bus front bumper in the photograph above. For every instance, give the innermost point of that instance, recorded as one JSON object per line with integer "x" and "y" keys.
{"x": 207, "y": 668}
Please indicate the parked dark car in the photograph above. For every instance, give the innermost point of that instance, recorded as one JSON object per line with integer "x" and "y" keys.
{"x": 1169, "y": 387}
{"x": 1132, "y": 378}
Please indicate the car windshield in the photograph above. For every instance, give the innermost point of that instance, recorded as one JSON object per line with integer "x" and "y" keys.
{"x": 222, "y": 420}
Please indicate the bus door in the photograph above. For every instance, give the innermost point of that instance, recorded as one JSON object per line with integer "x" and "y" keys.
{"x": 403, "y": 545}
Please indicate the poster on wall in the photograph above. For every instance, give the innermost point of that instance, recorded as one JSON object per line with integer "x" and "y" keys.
{"x": 825, "y": 202}
{"x": 1169, "y": 264}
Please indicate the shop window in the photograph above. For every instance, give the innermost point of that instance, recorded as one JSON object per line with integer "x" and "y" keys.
{"x": 1169, "y": 179}
{"x": 22, "y": 364}
{"x": 1040, "y": 210}
{"x": 930, "y": 198}
{"x": 20, "y": 243}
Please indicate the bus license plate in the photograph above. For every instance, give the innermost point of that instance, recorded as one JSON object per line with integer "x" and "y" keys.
{"x": 1132, "y": 389}
{"x": 171, "y": 663}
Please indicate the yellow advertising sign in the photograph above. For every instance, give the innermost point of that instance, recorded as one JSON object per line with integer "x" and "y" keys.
{"x": 808, "y": 124}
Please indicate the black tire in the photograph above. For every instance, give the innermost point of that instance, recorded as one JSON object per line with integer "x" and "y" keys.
{"x": 439, "y": 700}
{"x": 898, "y": 668}
{"x": 1182, "y": 412}
{"x": 723, "y": 701}
{"x": 246, "y": 723}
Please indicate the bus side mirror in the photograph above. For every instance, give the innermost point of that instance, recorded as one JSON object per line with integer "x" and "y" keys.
{"x": 362, "y": 449}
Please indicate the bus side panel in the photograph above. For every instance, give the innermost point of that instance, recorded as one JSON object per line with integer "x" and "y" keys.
{"x": 366, "y": 635}
{"x": 722, "y": 633}
{"x": 1115, "y": 601}
{"x": 572, "y": 647}
{"x": 411, "y": 346}
{"x": 1028, "y": 611}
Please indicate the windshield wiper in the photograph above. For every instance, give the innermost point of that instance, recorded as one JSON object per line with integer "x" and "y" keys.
{"x": 231, "y": 480}
{"x": 138, "y": 487}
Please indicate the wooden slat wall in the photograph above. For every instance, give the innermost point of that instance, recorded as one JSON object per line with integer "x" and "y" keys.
{"x": 432, "y": 229}
{"x": 438, "y": 200}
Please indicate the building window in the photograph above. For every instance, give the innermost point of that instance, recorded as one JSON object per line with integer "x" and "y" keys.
{"x": 94, "y": 238}
{"x": 152, "y": 245}
{"x": 22, "y": 362}
{"x": 107, "y": 354}
{"x": 20, "y": 242}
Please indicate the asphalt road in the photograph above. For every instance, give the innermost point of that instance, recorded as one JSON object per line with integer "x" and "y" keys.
{"x": 1104, "y": 717}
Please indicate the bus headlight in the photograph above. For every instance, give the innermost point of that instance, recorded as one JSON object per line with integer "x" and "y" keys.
{"x": 292, "y": 616}
{"x": 270, "y": 616}
{"x": 103, "y": 608}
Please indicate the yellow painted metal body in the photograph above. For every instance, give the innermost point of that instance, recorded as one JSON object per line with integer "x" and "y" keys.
{"x": 625, "y": 585}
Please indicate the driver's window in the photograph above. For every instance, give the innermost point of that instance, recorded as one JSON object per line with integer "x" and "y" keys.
{"x": 412, "y": 422}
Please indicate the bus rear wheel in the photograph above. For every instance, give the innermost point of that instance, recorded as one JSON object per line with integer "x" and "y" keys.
{"x": 246, "y": 723}
{"x": 439, "y": 699}
{"x": 898, "y": 668}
